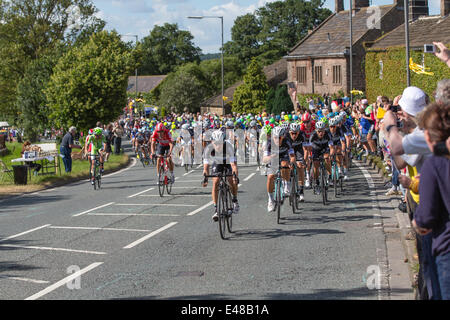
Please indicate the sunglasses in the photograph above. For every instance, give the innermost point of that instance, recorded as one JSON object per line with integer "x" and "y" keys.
{"x": 306, "y": 122}
{"x": 332, "y": 126}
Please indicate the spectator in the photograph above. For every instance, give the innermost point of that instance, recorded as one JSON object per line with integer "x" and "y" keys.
{"x": 65, "y": 149}
{"x": 443, "y": 54}
{"x": 412, "y": 150}
{"x": 443, "y": 91}
{"x": 433, "y": 213}
{"x": 118, "y": 133}
{"x": 108, "y": 136}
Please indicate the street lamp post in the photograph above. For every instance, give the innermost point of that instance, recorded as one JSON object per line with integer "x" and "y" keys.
{"x": 136, "y": 72}
{"x": 351, "y": 51}
{"x": 221, "y": 18}
{"x": 408, "y": 77}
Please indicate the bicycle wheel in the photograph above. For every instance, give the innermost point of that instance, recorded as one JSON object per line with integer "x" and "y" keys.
{"x": 141, "y": 157}
{"x": 161, "y": 185}
{"x": 99, "y": 179}
{"x": 168, "y": 184}
{"x": 278, "y": 202}
{"x": 334, "y": 172}
{"x": 230, "y": 212}
{"x": 293, "y": 195}
{"x": 221, "y": 211}
{"x": 323, "y": 185}
{"x": 95, "y": 176}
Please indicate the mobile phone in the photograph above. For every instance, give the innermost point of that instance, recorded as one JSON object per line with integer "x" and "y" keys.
{"x": 399, "y": 124}
{"x": 394, "y": 108}
{"x": 429, "y": 48}
{"x": 440, "y": 149}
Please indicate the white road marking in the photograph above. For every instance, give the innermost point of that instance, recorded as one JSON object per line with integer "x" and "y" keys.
{"x": 139, "y": 193}
{"x": 87, "y": 211}
{"x": 51, "y": 249}
{"x": 63, "y": 281}
{"x": 156, "y": 204}
{"x": 125, "y": 169}
{"x": 190, "y": 181}
{"x": 98, "y": 228}
{"x": 25, "y": 232}
{"x": 188, "y": 172}
{"x": 136, "y": 214}
{"x": 200, "y": 209}
{"x": 249, "y": 177}
{"x": 187, "y": 187}
{"x": 177, "y": 195}
{"x": 167, "y": 226}
{"x": 25, "y": 279}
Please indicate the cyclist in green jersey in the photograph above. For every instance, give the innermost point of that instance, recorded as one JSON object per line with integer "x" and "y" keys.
{"x": 98, "y": 144}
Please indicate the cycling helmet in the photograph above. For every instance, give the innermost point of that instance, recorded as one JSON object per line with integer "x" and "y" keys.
{"x": 98, "y": 131}
{"x": 185, "y": 126}
{"x": 174, "y": 126}
{"x": 332, "y": 122}
{"x": 268, "y": 129}
{"x": 286, "y": 118}
{"x": 279, "y": 131}
{"x": 91, "y": 131}
{"x": 160, "y": 127}
{"x": 218, "y": 135}
{"x": 285, "y": 125}
{"x": 272, "y": 120}
{"x": 294, "y": 127}
{"x": 295, "y": 117}
{"x": 290, "y": 117}
{"x": 306, "y": 117}
{"x": 229, "y": 124}
{"x": 343, "y": 114}
{"x": 277, "y": 117}
{"x": 253, "y": 123}
{"x": 320, "y": 125}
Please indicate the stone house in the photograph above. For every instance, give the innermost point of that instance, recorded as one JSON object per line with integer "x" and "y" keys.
{"x": 320, "y": 62}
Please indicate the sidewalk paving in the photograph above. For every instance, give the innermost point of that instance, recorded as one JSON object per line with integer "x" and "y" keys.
{"x": 395, "y": 226}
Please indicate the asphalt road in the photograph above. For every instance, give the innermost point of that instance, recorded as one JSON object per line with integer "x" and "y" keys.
{"x": 126, "y": 242}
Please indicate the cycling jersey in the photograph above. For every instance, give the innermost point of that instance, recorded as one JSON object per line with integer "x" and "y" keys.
{"x": 96, "y": 144}
{"x": 310, "y": 131}
{"x": 337, "y": 137}
{"x": 298, "y": 145}
{"x": 224, "y": 154}
{"x": 284, "y": 150}
{"x": 164, "y": 138}
{"x": 318, "y": 143}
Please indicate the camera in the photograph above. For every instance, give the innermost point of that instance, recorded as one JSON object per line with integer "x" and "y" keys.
{"x": 394, "y": 108}
{"x": 429, "y": 48}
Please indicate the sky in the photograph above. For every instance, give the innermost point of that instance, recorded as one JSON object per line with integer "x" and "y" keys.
{"x": 138, "y": 17}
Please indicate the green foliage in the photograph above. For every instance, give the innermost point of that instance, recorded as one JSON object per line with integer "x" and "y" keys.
{"x": 31, "y": 100}
{"x": 270, "y": 99}
{"x": 282, "y": 101}
{"x": 394, "y": 73}
{"x": 166, "y": 48}
{"x": 32, "y": 29}
{"x": 303, "y": 99}
{"x": 89, "y": 83}
{"x": 274, "y": 29}
{"x": 251, "y": 95}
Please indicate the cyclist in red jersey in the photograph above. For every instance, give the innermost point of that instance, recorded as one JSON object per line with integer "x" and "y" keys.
{"x": 162, "y": 136}
{"x": 308, "y": 126}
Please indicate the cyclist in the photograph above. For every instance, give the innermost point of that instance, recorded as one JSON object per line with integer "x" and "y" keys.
{"x": 337, "y": 136}
{"x": 139, "y": 141}
{"x": 162, "y": 137}
{"x": 285, "y": 153}
{"x": 96, "y": 143}
{"x": 220, "y": 156}
{"x": 321, "y": 143}
{"x": 308, "y": 126}
{"x": 298, "y": 141}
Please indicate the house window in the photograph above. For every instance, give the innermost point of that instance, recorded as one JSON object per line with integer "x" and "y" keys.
{"x": 301, "y": 74}
{"x": 318, "y": 74}
{"x": 337, "y": 75}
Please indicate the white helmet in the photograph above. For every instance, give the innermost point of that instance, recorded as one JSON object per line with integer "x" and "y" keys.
{"x": 218, "y": 135}
{"x": 185, "y": 126}
{"x": 278, "y": 131}
{"x": 294, "y": 127}
{"x": 320, "y": 125}
{"x": 333, "y": 121}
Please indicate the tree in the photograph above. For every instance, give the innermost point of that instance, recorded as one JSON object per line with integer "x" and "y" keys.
{"x": 245, "y": 42}
{"x": 284, "y": 23}
{"x": 31, "y": 29}
{"x": 89, "y": 83}
{"x": 184, "y": 90}
{"x": 166, "y": 48}
{"x": 212, "y": 69}
{"x": 269, "y": 99}
{"x": 31, "y": 100}
{"x": 282, "y": 101}
{"x": 251, "y": 95}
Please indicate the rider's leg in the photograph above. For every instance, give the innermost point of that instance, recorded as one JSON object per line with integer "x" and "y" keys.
{"x": 301, "y": 173}
{"x": 327, "y": 163}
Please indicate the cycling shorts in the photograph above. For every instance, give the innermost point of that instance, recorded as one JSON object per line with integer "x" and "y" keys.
{"x": 221, "y": 168}
{"x": 317, "y": 153}
{"x": 162, "y": 150}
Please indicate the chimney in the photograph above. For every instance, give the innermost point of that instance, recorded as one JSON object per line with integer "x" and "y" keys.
{"x": 418, "y": 8}
{"x": 338, "y": 5}
{"x": 360, "y": 4}
{"x": 445, "y": 7}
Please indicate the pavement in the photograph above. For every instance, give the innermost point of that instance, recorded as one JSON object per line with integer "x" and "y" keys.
{"x": 126, "y": 242}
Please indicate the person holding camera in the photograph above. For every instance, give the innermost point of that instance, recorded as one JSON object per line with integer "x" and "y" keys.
{"x": 432, "y": 216}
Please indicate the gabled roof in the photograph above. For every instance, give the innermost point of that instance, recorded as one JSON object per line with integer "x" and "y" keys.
{"x": 275, "y": 73}
{"x": 145, "y": 83}
{"x": 332, "y": 36}
{"x": 422, "y": 31}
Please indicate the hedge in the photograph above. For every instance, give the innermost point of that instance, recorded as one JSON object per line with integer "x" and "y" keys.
{"x": 394, "y": 73}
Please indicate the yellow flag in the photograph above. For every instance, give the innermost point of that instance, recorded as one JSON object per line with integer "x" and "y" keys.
{"x": 225, "y": 98}
{"x": 417, "y": 68}
{"x": 356, "y": 92}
